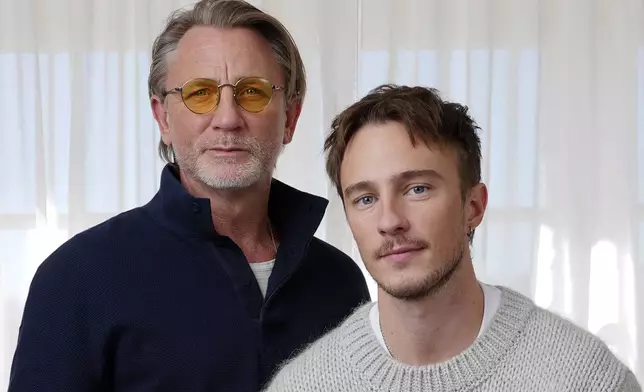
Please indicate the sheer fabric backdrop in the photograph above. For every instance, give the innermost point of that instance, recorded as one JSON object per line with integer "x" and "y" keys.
{"x": 557, "y": 86}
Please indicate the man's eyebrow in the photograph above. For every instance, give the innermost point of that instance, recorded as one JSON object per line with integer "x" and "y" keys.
{"x": 408, "y": 175}
{"x": 415, "y": 174}
{"x": 357, "y": 187}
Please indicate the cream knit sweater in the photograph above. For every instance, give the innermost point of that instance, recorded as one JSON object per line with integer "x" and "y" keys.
{"x": 526, "y": 348}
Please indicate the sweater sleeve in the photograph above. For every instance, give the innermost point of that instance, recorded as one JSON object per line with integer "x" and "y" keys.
{"x": 630, "y": 384}
{"x": 305, "y": 372}
{"x": 322, "y": 367}
{"x": 285, "y": 381}
{"x": 54, "y": 352}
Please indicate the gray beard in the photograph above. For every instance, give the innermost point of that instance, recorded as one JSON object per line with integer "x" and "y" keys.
{"x": 260, "y": 166}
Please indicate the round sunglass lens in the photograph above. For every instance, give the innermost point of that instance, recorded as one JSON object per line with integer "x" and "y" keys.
{"x": 200, "y": 95}
{"x": 254, "y": 94}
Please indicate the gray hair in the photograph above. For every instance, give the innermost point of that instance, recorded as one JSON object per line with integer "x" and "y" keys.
{"x": 226, "y": 14}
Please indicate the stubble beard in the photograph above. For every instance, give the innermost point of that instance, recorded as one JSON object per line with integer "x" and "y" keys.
{"x": 432, "y": 283}
{"x": 227, "y": 173}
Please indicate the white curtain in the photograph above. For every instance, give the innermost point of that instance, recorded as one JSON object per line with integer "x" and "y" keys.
{"x": 556, "y": 85}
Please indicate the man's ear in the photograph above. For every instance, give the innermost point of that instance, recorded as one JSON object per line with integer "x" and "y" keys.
{"x": 161, "y": 116}
{"x": 476, "y": 204}
{"x": 292, "y": 115}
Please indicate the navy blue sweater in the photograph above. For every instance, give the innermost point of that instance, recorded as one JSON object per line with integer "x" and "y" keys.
{"x": 155, "y": 300}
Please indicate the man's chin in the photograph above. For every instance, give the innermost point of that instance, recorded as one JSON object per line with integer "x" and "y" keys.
{"x": 228, "y": 179}
{"x": 213, "y": 158}
{"x": 407, "y": 291}
{"x": 411, "y": 288}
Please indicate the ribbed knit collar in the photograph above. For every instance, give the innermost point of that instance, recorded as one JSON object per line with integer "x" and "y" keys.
{"x": 471, "y": 367}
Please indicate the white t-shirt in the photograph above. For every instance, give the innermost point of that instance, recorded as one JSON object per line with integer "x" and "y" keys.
{"x": 262, "y": 272}
{"x": 491, "y": 302}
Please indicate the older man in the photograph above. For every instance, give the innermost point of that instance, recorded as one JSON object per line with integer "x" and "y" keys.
{"x": 219, "y": 277}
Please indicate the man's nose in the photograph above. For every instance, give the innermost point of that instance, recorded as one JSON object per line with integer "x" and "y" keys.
{"x": 226, "y": 115}
{"x": 393, "y": 218}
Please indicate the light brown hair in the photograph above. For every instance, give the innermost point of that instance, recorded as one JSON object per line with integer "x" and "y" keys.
{"x": 425, "y": 115}
{"x": 226, "y": 14}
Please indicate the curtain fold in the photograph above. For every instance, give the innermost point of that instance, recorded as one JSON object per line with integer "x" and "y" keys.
{"x": 556, "y": 86}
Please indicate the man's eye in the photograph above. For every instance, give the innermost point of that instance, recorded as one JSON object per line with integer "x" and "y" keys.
{"x": 202, "y": 92}
{"x": 418, "y": 190}
{"x": 365, "y": 200}
{"x": 251, "y": 91}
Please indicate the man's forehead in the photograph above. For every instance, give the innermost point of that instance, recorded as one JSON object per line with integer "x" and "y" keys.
{"x": 206, "y": 40}
{"x": 384, "y": 166}
{"x": 386, "y": 157}
{"x": 223, "y": 54}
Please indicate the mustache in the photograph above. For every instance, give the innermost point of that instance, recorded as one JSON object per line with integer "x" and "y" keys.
{"x": 389, "y": 245}
{"x": 231, "y": 141}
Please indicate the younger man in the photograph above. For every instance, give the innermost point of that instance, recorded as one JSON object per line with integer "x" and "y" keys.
{"x": 407, "y": 166}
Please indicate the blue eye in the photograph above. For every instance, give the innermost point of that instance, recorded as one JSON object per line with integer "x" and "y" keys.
{"x": 365, "y": 200}
{"x": 418, "y": 190}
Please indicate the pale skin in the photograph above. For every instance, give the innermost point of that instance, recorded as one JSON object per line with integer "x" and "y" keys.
{"x": 413, "y": 198}
{"x": 200, "y": 140}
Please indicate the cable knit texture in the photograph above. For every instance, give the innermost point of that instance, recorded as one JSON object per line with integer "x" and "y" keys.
{"x": 526, "y": 348}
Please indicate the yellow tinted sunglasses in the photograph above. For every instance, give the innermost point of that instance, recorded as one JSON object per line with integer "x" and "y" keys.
{"x": 202, "y": 95}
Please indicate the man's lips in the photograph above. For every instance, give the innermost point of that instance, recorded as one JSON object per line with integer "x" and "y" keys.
{"x": 227, "y": 149}
{"x": 401, "y": 253}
